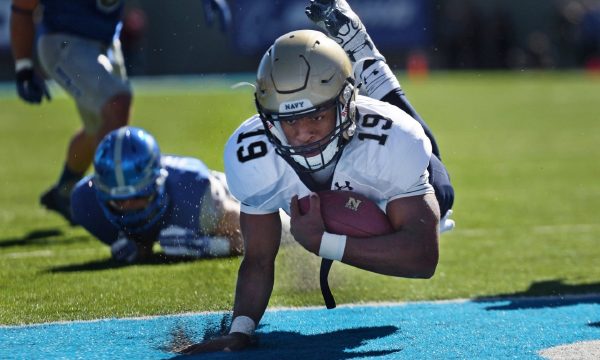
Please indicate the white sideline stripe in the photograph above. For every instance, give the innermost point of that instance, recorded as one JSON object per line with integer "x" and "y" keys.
{"x": 321, "y": 307}
{"x": 564, "y": 228}
{"x": 537, "y": 229}
{"x": 46, "y": 253}
{"x": 158, "y": 85}
{"x": 28, "y": 254}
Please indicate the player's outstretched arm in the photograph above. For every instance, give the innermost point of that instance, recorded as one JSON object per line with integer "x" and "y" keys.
{"x": 31, "y": 87}
{"x": 262, "y": 235}
{"x": 22, "y": 28}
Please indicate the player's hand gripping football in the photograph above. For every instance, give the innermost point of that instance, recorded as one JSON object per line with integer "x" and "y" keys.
{"x": 307, "y": 228}
{"x": 231, "y": 342}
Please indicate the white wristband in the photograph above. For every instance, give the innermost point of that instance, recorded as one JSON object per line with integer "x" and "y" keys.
{"x": 242, "y": 324}
{"x": 332, "y": 246}
{"x": 25, "y": 63}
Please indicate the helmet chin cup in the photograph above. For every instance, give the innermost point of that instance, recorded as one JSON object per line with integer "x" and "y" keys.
{"x": 320, "y": 160}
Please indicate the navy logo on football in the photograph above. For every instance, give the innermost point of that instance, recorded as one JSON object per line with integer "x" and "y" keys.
{"x": 352, "y": 204}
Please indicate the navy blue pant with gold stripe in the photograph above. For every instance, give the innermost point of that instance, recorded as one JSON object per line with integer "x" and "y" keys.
{"x": 438, "y": 174}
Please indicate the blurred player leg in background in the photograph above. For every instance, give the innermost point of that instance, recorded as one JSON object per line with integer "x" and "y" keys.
{"x": 95, "y": 77}
{"x": 339, "y": 22}
{"x": 77, "y": 46}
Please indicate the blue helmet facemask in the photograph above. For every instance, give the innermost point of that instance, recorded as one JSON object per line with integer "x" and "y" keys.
{"x": 127, "y": 165}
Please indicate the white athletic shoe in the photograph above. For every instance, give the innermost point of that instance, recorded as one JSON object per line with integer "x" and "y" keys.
{"x": 447, "y": 224}
{"x": 339, "y": 22}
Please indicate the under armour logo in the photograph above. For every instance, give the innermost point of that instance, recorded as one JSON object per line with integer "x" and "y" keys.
{"x": 347, "y": 186}
{"x": 352, "y": 203}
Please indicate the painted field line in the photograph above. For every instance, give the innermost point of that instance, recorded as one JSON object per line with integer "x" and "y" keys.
{"x": 48, "y": 253}
{"x": 539, "y": 229}
{"x": 275, "y": 309}
{"x": 455, "y": 329}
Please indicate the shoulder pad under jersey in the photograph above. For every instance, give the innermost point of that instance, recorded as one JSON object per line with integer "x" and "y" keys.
{"x": 389, "y": 149}
{"x": 259, "y": 178}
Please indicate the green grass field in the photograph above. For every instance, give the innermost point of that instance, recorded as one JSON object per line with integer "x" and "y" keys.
{"x": 523, "y": 150}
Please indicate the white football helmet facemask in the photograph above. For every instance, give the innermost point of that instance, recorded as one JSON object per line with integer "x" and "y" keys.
{"x": 303, "y": 73}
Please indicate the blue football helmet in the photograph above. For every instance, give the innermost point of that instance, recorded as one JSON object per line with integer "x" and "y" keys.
{"x": 127, "y": 165}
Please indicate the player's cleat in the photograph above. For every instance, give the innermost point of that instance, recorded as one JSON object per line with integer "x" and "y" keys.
{"x": 55, "y": 201}
{"x": 339, "y": 22}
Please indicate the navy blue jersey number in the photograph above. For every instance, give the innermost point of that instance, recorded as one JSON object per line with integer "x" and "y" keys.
{"x": 372, "y": 121}
{"x": 254, "y": 150}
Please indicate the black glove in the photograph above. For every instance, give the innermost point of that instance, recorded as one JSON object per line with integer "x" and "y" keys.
{"x": 31, "y": 87}
{"x": 213, "y": 8}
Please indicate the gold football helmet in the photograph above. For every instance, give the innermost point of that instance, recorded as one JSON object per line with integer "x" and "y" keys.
{"x": 302, "y": 73}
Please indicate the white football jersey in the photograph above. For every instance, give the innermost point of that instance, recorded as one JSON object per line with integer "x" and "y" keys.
{"x": 386, "y": 159}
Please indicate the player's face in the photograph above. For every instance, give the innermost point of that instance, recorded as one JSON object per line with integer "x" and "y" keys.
{"x": 309, "y": 129}
{"x": 132, "y": 204}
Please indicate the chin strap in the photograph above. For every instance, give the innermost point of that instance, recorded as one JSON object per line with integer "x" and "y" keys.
{"x": 325, "y": 290}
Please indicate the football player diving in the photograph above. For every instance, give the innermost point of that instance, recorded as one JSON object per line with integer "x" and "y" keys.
{"x": 331, "y": 115}
{"x": 137, "y": 197}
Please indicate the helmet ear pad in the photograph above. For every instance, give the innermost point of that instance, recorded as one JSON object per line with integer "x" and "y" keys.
{"x": 348, "y": 100}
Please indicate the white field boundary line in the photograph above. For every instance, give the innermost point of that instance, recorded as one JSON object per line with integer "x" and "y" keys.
{"x": 574, "y": 297}
{"x": 157, "y": 85}
{"x": 538, "y": 229}
{"x": 49, "y": 253}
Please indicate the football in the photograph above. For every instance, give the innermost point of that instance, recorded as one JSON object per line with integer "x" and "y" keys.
{"x": 350, "y": 213}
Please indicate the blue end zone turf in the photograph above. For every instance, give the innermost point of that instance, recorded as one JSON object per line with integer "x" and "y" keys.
{"x": 483, "y": 329}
